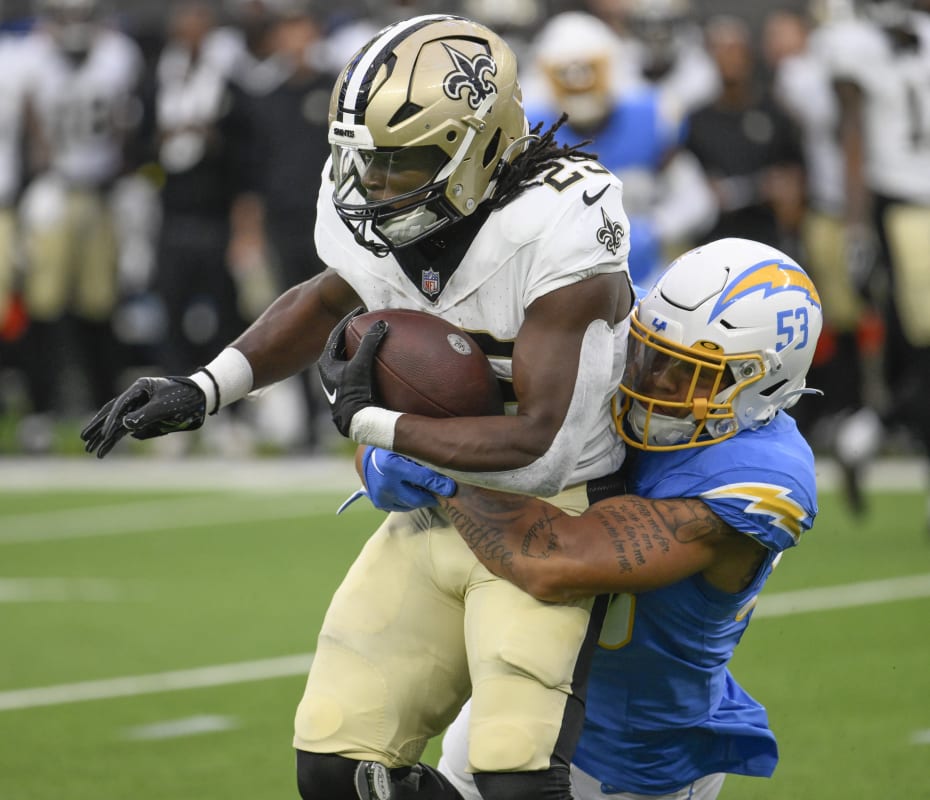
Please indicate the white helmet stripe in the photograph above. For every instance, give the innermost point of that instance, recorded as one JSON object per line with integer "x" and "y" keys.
{"x": 355, "y": 94}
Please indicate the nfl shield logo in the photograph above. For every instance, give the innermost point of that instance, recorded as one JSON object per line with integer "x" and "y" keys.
{"x": 429, "y": 282}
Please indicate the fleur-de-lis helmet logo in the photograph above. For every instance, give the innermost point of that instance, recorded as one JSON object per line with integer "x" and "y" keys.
{"x": 611, "y": 234}
{"x": 471, "y": 77}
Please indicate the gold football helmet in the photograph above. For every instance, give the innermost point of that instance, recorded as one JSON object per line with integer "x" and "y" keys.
{"x": 421, "y": 120}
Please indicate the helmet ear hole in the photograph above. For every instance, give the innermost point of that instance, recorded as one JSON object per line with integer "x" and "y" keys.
{"x": 768, "y": 392}
{"x": 490, "y": 152}
{"x": 406, "y": 111}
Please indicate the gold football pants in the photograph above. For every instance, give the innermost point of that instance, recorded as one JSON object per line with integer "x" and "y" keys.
{"x": 417, "y": 626}
{"x": 71, "y": 260}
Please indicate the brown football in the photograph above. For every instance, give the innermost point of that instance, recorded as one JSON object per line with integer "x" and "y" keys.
{"x": 428, "y": 366}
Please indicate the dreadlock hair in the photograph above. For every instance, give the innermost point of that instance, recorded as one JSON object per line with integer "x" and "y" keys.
{"x": 525, "y": 170}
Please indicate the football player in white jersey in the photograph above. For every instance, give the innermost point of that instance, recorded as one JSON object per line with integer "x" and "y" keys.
{"x": 880, "y": 62}
{"x": 82, "y": 82}
{"x": 437, "y": 197}
{"x": 720, "y": 485}
{"x": 850, "y": 354}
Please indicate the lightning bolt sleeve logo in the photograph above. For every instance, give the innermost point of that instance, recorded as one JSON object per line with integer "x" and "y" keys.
{"x": 765, "y": 498}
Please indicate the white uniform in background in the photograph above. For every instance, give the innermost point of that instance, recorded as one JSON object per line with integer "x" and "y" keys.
{"x": 84, "y": 108}
{"x": 895, "y": 86}
{"x": 896, "y": 89}
{"x": 803, "y": 85}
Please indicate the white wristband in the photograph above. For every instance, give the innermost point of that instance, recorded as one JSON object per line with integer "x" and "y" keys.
{"x": 228, "y": 378}
{"x": 374, "y": 426}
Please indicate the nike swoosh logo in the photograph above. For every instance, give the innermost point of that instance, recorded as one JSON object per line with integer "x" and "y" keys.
{"x": 589, "y": 200}
{"x": 330, "y": 396}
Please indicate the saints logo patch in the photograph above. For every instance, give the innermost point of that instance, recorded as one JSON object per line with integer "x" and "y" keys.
{"x": 471, "y": 78}
{"x": 611, "y": 234}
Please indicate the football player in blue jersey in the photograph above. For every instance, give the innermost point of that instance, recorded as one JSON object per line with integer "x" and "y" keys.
{"x": 587, "y": 72}
{"x": 720, "y": 483}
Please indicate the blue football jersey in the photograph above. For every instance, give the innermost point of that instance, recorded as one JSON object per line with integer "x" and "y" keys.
{"x": 662, "y": 708}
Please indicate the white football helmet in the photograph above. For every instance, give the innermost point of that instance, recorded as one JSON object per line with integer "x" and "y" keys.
{"x": 432, "y": 106}
{"x": 577, "y": 54}
{"x": 721, "y": 342}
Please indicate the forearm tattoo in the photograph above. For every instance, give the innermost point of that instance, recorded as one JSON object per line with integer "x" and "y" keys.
{"x": 502, "y": 529}
{"x": 637, "y": 527}
{"x": 496, "y": 526}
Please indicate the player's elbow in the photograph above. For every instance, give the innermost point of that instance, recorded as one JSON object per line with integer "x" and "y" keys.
{"x": 548, "y": 583}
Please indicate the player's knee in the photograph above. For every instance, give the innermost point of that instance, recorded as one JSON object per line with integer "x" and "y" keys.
{"x": 508, "y": 745}
{"x": 546, "y": 784}
{"x": 321, "y": 776}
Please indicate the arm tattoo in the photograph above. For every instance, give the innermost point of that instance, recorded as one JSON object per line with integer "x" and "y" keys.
{"x": 638, "y": 528}
{"x": 512, "y": 534}
{"x": 496, "y": 525}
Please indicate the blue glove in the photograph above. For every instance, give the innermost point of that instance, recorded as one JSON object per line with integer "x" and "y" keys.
{"x": 396, "y": 483}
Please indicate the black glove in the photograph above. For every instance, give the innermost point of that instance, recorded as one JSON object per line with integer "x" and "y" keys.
{"x": 150, "y": 407}
{"x": 349, "y": 385}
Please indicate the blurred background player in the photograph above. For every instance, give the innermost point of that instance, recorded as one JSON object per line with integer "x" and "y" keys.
{"x": 634, "y": 128}
{"x": 748, "y": 146}
{"x": 199, "y": 146}
{"x": 797, "y": 47}
{"x": 880, "y": 63}
{"x": 84, "y": 106}
{"x": 274, "y": 220}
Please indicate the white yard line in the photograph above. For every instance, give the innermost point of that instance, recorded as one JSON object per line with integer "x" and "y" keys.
{"x": 156, "y": 515}
{"x": 781, "y": 604}
{"x": 135, "y": 685}
{"x": 60, "y": 590}
{"x": 318, "y": 473}
{"x": 323, "y": 473}
{"x": 850, "y": 595}
{"x": 176, "y": 728}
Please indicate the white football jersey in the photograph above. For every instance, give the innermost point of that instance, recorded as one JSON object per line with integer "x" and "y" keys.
{"x": 570, "y": 227}
{"x": 803, "y": 85}
{"x": 12, "y": 107}
{"x": 189, "y": 101}
{"x": 84, "y": 108}
{"x": 896, "y": 87}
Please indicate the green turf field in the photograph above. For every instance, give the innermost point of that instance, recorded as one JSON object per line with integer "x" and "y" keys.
{"x": 155, "y": 643}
